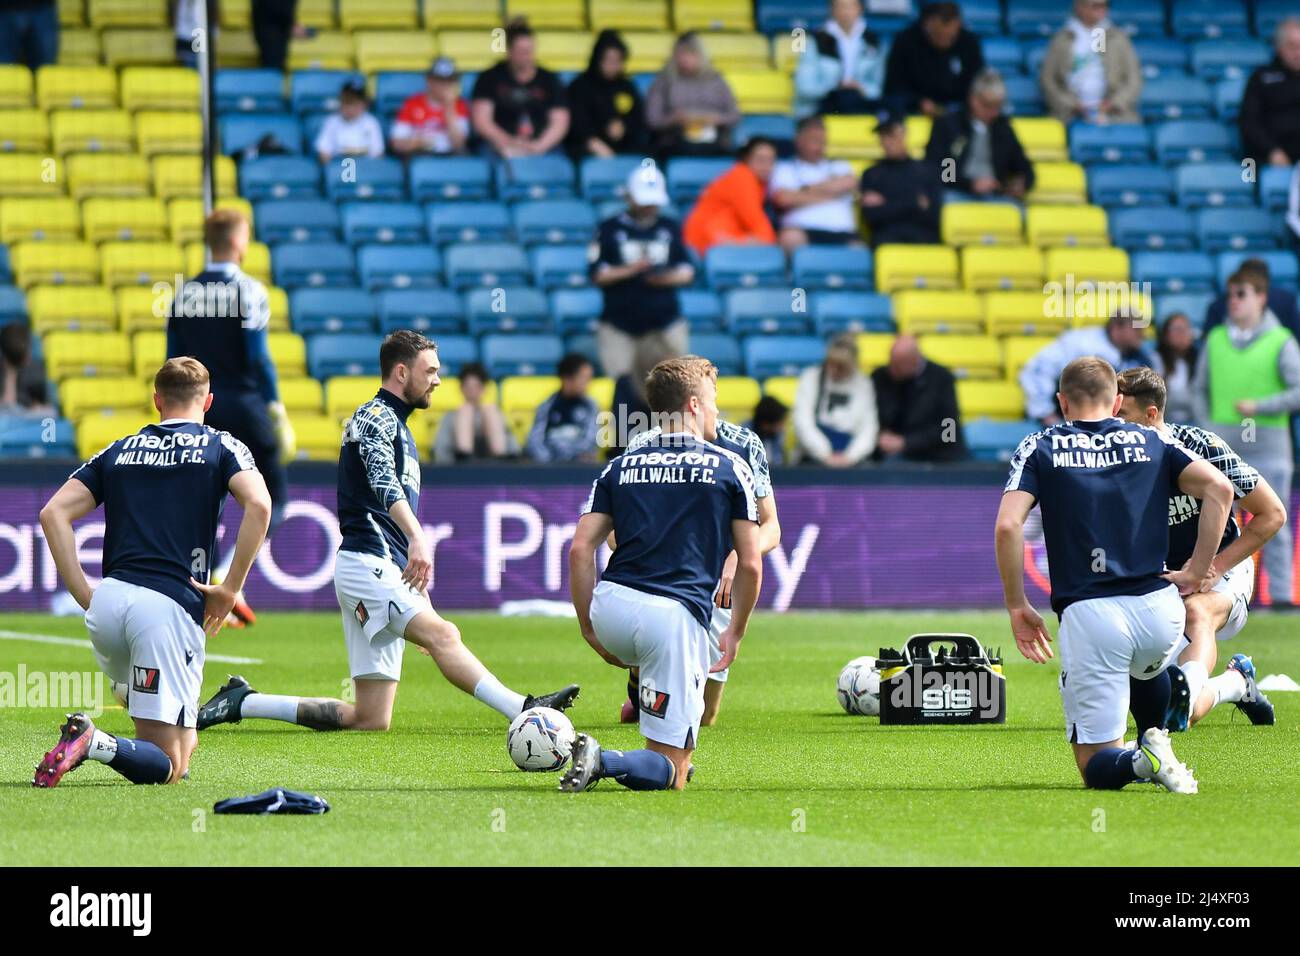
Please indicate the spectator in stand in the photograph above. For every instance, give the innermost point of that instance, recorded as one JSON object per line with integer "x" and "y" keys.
{"x": 933, "y": 62}
{"x": 730, "y": 209}
{"x": 22, "y": 375}
{"x": 274, "y": 25}
{"x": 975, "y": 149}
{"x": 842, "y": 68}
{"x": 1270, "y": 108}
{"x": 900, "y": 196}
{"x": 436, "y": 120}
{"x": 519, "y": 108}
{"x": 1281, "y": 302}
{"x": 769, "y": 423}
{"x": 1120, "y": 342}
{"x": 476, "y": 431}
{"x": 689, "y": 107}
{"x": 639, "y": 263}
{"x": 814, "y": 194}
{"x": 29, "y": 33}
{"x": 564, "y": 428}
{"x": 1175, "y": 360}
{"x": 353, "y": 130}
{"x": 835, "y": 420}
{"x": 1091, "y": 72}
{"x": 606, "y": 115}
{"x": 916, "y": 401}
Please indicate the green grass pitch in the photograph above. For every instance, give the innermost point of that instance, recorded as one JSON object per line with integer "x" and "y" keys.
{"x": 785, "y": 778}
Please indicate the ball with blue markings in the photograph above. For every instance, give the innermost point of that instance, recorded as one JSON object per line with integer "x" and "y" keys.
{"x": 540, "y": 739}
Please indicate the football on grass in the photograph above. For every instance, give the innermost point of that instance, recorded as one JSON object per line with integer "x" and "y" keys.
{"x": 540, "y": 739}
{"x": 858, "y": 688}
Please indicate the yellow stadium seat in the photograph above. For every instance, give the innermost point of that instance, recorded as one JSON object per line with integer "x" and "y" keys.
{"x": 97, "y": 430}
{"x": 345, "y": 393}
{"x": 1093, "y": 303}
{"x": 1017, "y": 350}
{"x": 629, "y": 14}
{"x": 445, "y": 14}
{"x": 917, "y": 131}
{"x": 288, "y": 352}
{"x": 149, "y": 351}
{"x": 127, "y": 13}
{"x": 737, "y": 396}
{"x": 80, "y": 48}
{"x": 326, "y": 50}
{"x": 119, "y": 174}
{"x": 564, "y": 49}
{"x": 550, "y": 14}
{"x": 257, "y": 260}
{"x": 786, "y": 51}
{"x": 1021, "y": 313}
{"x": 1042, "y": 138}
{"x": 279, "y": 302}
{"x": 169, "y": 131}
{"x": 86, "y": 353}
{"x": 852, "y": 137}
{"x": 394, "y": 50}
{"x": 783, "y": 387}
{"x": 468, "y": 49}
{"x": 736, "y": 51}
{"x": 873, "y": 352}
{"x": 140, "y": 263}
{"x": 139, "y": 217}
{"x": 915, "y": 267}
{"x": 520, "y": 396}
{"x": 316, "y": 13}
{"x": 765, "y": 91}
{"x": 1060, "y": 183}
{"x": 185, "y": 216}
{"x": 54, "y": 307}
{"x": 159, "y": 88}
{"x": 1086, "y": 265}
{"x": 15, "y": 86}
{"x": 601, "y": 391}
{"x": 378, "y": 14}
{"x": 238, "y": 50}
{"x": 54, "y": 218}
{"x": 647, "y": 50}
{"x": 301, "y": 395}
{"x": 143, "y": 307}
{"x": 123, "y": 393}
{"x": 980, "y": 223}
{"x": 238, "y": 14}
{"x": 130, "y": 47}
{"x": 30, "y": 174}
{"x": 319, "y": 436}
{"x": 54, "y": 263}
{"x": 999, "y": 401}
{"x": 984, "y": 268}
{"x": 1067, "y": 226}
{"x": 72, "y": 13}
{"x": 24, "y": 131}
{"x": 925, "y": 310}
{"x": 76, "y": 87}
{"x": 92, "y": 131}
{"x": 713, "y": 15}
{"x": 966, "y": 356}
{"x": 175, "y": 176}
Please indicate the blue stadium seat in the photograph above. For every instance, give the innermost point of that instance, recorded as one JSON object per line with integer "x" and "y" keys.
{"x": 701, "y": 308}
{"x": 297, "y": 220}
{"x": 555, "y": 267}
{"x": 774, "y": 16}
{"x": 1215, "y": 60}
{"x": 576, "y": 310}
{"x": 511, "y": 309}
{"x": 770, "y": 311}
{"x": 1268, "y": 13}
{"x": 1033, "y": 18}
{"x": 602, "y": 179}
{"x": 832, "y": 267}
{"x": 239, "y": 131}
{"x": 431, "y": 311}
{"x": 311, "y": 127}
{"x": 249, "y": 91}
{"x": 329, "y": 354}
{"x": 1167, "y": 228}
{"x": 1212, "y": 184}
{"x": 486, "y": 264}
{"x": 393, "y": 88}
{"x": 1192, "y": 304}
{"x": 1169, "y": 97}
{"x": 584, "y": 343}
{"x": 996, "y": 441}
{"x": 744, "y": 265}
{"x": 1281, "y": 266}
{"x": 279, "y": 177}
{"x": 1275, "y": 187}
{"x": 332, "y": 310}
{"x": 382, "y": 222}
{"x": 1192, "y": 141}
{"x": 392, "y": 266}
{"x": 456, "y": 351}
{"x": 720, "y": 349}
{"x": 1140, "y": 18}
{"x": 1131, "y": 185}
{"x": 521, "y": 354}
{"x": 475, "y": 221}
{"x": 13, "y": 304}
{"x": 1174, "y": 271}
{"x": 1024, "y": 95}
{"x": 776, "y": 127}
{"x": 450, "y": 177}
{"x": 1004, "y": 53}
{"x": 1125, "y": 143}
{"x": 687, "y": 177}
{"x": 1161, "y": 55}
{"x": 1190, "y": 19}
{"x": 834, "y": 312}
{"x": 1227, "y": 98}
{"x": 6, "y": 273}
{"x": 296, "y": 264}
{"x": 554, "y": 220}
{"x": 28, "y": 436}
{"x": 1251, "y": 229}
{"x": 535, "y": 177}
{"x": 317, "y": 91}
{"x": 380, "y": 178}
{"x": 769, "y": 355}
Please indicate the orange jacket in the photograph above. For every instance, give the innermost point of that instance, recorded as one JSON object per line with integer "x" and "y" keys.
{"x": 729, "y": 210}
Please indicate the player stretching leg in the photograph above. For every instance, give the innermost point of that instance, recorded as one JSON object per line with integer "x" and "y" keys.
{"x": 742, "y": 441}
{"x": 1219, "y": 609}
{"x": 678, "y": 506}
{"x": 1103, "y": 486}
{"x": 163, "y": 490}
{"x": 383, "y": 570}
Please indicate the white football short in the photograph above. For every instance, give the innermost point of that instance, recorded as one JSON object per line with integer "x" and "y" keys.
{"x": 1238, "y": 582}
{"x": 1103, "y": 642}
{"x": 661, "y": 637}
{"x": 718, "y": 623}
{"x": 145, "y": 640}
{"x": 376, "y": 608}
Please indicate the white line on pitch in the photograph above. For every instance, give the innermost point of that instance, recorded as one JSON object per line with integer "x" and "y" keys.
{"x": 78, "y": 642}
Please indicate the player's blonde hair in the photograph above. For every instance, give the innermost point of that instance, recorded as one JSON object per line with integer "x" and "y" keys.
{"x": 673, "y": 381}
{"x": 219, "y": 229}
{"x": 181, "y": 381}
{"x": 1088, "y": 380}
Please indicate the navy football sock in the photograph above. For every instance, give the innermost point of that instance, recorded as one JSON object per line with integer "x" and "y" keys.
{"x": 141, "y": 762}
{"x": 638, "y": 769}
{"x": 1148, "y": 701}
{"x": 1110, "y": 769}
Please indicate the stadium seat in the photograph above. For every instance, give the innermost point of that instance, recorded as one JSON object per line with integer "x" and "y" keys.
{"x": 382, "y": 222}
{"x": 1219, "y": 59}
{"x": 174, "y": 176}
{"x": 737, "y": 396}
{"x": 835, "y": 312}
{"x": 140, "y": 263}
{"x": 713, "y": 15}
{"x": 238, "y": 50}
{"x": 81, "y": 396}
{"x": 1124, "y": 143}
{"x": 249, "y": 91}
{"x": 71, "y": 307}
{"x": 1275, "y": 187}
{"x": 778, "y": 127}
{"x": 771, "y": 355}
{"x": 702, "y": 309}
{"x": 486, "y": 264}
{"x": 1025, "y": 100}
{"x": 513, "y": 354}
{"x": 297, "y": 220}
{"x": 977, "y": 223}
{"x": 1162, "y": 55}
{"x": 915, "y": 267}
{"x": 1153, "y": 227}
{"x": 770, "y": 311}
{"x": 554, "y": 221}
{"x": 1212, "y": 184}
{"x": 454, "y": 351}
{"x": 330, "y": 354}
{"x": 1042, "y": 138}
{"x": 24, "y": 131}
{"x": 1066, "y": 226}
{"x": 257, "y": 261}
{"x": 1268, "y": 13}
{"x": 1219, "y": 230}
{"x": 760, "y": 91}
{"x": 324, "y": 50}
{"x": 317, "y": 91}
{"x": 1086, "y": 265}
{"x": 576, "y": 311}
{"x": 185, "y": 217}
{"x": 301, "y": 395}
{"x": 926, "y": 310}
{"x": 159, "y": 88}
{"x": 350, "y": 310}
{"x": 873, "y": 350}
{"x": 966, "y": 356}
{"x": 1192, "y": 141}
{"x": 998, "y": 401}
{"x": 1281, "y": 266}
{"x": 51, "y": 218}
{"x": 1174, "y": 271}
{"x": 241, "y": 131}
{"x": 559, "y": 266}
{"x": 472, "y": 221}
{"x": 602, "y": 179}
{"x": 852, "y": 137}
{"x": 721, "y": 349}
{"x": 1172, "y": 97}
{"x": 279, "y": 177}
{"x": 168, "y": 132}
{"x": 1131, "y": 185}
{"x": 139, "y": 217}
{"x": 996, "y": 441}
{"x": 13, "y": 304}
{"x": 1017, "y": 350}
{"x": 76, "y": 87}
{"x": 98, "y": 430}
{"x": 53, "y": 262}
{"x": 295, "y": 264}
{"x": 1194, "y": 305}
{"x": 629, "y": 14}
{"x": 318, "y": 437}
{"x": 92, "y": 131}
{"x": 1058, "y": 183}
{"x": 832, "y": 267}
{"x": 140, "y": 307}
{"x": 23, "y": 174}
{"x": 687, "y": 177}
{"x": 452, "y": 177}
{"x": 731, "y": 266}
{"x": 1227, "y": 98}
{"x": 431, "y": 311}
{"x": 986, "y": 268}
{"x": 393, "y": 50}
{"x": 520, "y": 397}
{"x": 1033, "y": 18}
{"x": 1004, "y": 53}
{"x": 510, "y": 309}
{"x": 86, "y": 353}
{"x": 399, "y": 266}
{"x": 1021, "y": 313}
{"x": 370, "y": 178}
{"x": 535, "y": 177}
{"x": 15, "y": 86}
{"x": 1191, "y": 19}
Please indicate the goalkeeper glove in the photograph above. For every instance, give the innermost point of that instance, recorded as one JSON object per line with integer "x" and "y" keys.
{"x": 284, "y": 435}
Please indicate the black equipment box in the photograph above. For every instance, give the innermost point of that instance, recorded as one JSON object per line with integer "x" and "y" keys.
{"x": 953, "y": 683}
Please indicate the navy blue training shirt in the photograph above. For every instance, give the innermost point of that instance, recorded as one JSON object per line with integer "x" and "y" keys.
{"x": 163, "y": 490}
{"x": 378, "y": 465}
{"x": 672, "y": 501}
{"x": 1103, "y": 489}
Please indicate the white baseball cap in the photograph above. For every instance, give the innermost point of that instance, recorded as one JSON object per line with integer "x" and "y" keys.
{"x": 646, "y": 187}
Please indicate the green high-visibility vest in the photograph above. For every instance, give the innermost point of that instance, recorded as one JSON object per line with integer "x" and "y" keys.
{"x": 1250, "y": 373}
